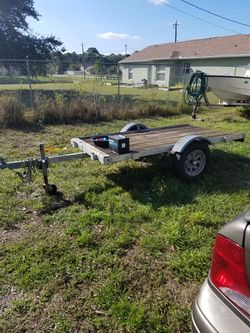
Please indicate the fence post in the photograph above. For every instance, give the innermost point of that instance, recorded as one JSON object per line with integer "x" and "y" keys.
{"x": 30, "y": 87}
{"x": 118, "y": 81}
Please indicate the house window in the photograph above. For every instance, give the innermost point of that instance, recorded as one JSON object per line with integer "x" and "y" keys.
{"x": 186, "y": 68}
{"x": 160, "y": 72}
{"x": 130, "y": 72}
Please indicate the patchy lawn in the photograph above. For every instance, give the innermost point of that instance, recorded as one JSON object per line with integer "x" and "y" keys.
{"x": 126, "y": 246}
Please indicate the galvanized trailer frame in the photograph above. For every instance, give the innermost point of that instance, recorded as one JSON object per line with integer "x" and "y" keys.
{"x": 175, "y": 140}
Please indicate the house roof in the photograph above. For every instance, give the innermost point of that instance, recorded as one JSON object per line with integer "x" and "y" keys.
{"x": 215, "y": 47}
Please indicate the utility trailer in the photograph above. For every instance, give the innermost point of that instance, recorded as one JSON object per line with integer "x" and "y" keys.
{"x": 189, "y": 146}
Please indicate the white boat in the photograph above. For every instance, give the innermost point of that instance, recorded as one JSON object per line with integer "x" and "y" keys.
{"x": 230, "y": 88}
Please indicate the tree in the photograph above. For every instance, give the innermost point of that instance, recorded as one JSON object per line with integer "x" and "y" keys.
{"x": 92, "y": 55}
{"x": 16, "y": 39}
{"x": 93, "y": 51}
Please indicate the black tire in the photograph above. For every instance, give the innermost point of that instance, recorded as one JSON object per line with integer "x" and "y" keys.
{"x": 193, "y": 162}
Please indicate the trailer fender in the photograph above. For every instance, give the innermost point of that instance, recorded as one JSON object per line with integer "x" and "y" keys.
{"x": 133, "y": 127}
{"x": 182, "y": 144}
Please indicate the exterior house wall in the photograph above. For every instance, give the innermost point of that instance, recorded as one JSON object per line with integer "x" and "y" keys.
{"x": 174, "y": 69}
{"x": 165, "y": 82}
{"x": 145, "y": 71}
{"x": 222, "y": 66}
{"x": 175, "y": 74}
{"x": 139, "y": 72}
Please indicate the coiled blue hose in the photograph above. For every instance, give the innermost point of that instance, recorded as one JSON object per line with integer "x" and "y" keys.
{"x": 196, "y": 88}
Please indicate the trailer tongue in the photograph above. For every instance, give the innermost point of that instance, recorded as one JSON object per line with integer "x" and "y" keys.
{"x": 187, "y": 144}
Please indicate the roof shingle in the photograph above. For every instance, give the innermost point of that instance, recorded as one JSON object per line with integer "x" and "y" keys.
{"x": 237, "y": 45}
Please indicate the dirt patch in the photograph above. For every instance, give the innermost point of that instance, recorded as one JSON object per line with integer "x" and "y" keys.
{"x": 22, "y": 231}
{"x": 11, "y": 294}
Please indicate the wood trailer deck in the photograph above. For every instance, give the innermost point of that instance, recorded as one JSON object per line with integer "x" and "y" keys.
{"x": 153, "y": 141}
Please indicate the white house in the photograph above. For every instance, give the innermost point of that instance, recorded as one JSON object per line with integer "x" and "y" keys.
{"x": 169, "y": 64}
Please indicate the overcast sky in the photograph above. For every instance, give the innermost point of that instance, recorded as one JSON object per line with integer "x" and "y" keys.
{"x": 109, "y": 25}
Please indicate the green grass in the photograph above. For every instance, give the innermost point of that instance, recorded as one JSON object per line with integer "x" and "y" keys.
{"x": 130, "y": 251}
{"x": 92, "y": 86}
{"x": 22, "y": 79}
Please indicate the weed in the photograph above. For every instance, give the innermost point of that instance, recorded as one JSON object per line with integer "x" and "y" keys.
{"x": 244, "y": 111}
{"x": 11, "y": 112}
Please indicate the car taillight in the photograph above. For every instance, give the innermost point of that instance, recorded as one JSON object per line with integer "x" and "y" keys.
{"x": 228, "y": 272}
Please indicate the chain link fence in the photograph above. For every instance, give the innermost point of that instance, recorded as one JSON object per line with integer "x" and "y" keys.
{"x": 64, "y": 92}
{"x": 28, "y": 78}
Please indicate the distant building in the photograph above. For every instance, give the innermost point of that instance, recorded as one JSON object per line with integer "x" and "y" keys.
{"x": 171, "y": 63}
{"x": 8, "y": 71}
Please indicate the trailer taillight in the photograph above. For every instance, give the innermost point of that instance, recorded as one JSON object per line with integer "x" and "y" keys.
{"x": 228, "y": 272}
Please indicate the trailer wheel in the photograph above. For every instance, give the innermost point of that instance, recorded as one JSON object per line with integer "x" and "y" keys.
{"x": 193, "y": 161}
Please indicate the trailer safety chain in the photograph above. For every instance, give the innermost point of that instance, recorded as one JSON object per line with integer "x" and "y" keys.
{"x": 21, "y": 175}
{"x": 27, "y": 175}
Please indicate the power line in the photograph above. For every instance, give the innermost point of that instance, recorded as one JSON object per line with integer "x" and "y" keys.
{"x": 217, "y": 15}
{"x": 198, "y": 18}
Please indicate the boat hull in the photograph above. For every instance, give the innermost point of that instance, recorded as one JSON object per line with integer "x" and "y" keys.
{"x": 230, "y": 88}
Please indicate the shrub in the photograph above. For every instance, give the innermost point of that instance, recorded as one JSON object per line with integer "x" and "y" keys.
{"x": 60, "y": 109}
{"x": 94, "y": 107}
{"x": 184, "y": 108}
{"x": 244, "y": 111}
{"x": 11, "y": 112}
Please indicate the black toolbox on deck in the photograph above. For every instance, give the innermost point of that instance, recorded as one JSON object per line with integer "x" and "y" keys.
{"x": 119, "y": 144}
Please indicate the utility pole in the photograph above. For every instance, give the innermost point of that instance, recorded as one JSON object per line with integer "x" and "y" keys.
{"x": 83, "y": 59}
{"x": 175, "y": 25}
{"x": 126, "y": 49}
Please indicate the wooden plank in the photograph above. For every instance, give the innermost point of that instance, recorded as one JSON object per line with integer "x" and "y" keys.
{"x": 164, "y": 140}
{"x": 150, "y": 130}
{"x": 170, "y": 140}
{"x": 93, "y": 151}
{"x": 161, "y": 129}
{"x": 172, "y": 135}
{"x": 171, "y": 132}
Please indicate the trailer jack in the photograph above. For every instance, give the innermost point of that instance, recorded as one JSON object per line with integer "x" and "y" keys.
{"x": 50, "y": 189}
